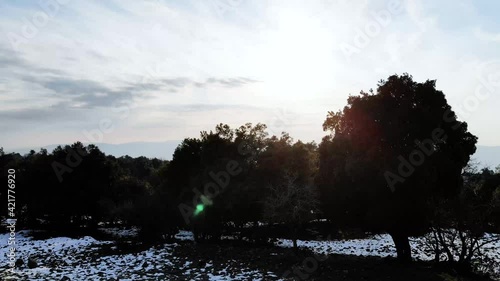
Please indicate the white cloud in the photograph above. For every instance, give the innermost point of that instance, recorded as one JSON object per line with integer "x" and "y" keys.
{"x": 487, "y": 36}
{"x": 141, "y": 49}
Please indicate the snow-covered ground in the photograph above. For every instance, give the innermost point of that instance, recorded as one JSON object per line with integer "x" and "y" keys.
{"x": 184, "y": 235}
{"x": 80, "y": 259}
{"x": 85, "y": 259}
{"x": 377, "y": 245}
{"x": 383, "y": 246}
{"x": 120, "y": 232}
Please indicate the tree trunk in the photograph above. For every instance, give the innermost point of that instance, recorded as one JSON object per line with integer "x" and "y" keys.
{"x": 294, "y": 238}
{"x": 445, "y": 246}
{"x": 403, "y": 248}
{"x": 463, "y": 244}
{"x": 437, "y": 250}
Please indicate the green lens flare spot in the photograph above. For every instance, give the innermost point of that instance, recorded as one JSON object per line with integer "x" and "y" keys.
{"x": 199, "y": 209}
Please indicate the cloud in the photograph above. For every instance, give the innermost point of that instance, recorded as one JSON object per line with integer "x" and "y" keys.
{"x": 30, "y": 114}
{"x": 181, "y": 82}
{"x": 179, "y": 108}
{"x": 178, "y": 82}
{"x": 185, "y": 65}
{"x": 487, "y": 36}
{"x": 57, "y": 114}
{"x": 12, "y": 63}
{"x": 229, "y": 82}
{"x": 88, "y": 93}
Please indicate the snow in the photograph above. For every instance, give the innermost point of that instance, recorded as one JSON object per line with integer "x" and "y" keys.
{"x": 383, "y": 246}
{"x": 83, "y": 259}
{"x": 122, "y": 232}
{"x": 184, "y": 235}
{"x": 378, "y": 245}
{"x": 86, "y": 258}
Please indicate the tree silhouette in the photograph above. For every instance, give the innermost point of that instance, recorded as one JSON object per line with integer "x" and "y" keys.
{"x": 389, "y": 153}
{"x": 292, "y": 203}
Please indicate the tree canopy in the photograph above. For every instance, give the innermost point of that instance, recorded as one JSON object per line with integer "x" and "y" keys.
{"x": 389, "y": 153}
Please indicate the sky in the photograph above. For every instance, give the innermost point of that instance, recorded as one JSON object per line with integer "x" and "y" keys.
{"x": 158, "y": 70}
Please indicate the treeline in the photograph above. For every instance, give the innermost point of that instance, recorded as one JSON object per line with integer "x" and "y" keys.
{"x": 395, "y": 160}
{"x": 94, "y": 187}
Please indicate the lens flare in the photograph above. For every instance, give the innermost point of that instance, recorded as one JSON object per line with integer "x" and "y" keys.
{"x": 199, "y": 209}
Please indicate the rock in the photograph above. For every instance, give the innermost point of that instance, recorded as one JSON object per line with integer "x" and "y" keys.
{"x": 65, "y": 278}
{"x": 32, "y": 263}
{"x": 19, "y": 262}
{"x": 145, "y": 264}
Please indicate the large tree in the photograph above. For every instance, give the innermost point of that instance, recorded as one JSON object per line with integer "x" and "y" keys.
{"x": 389, "y": 153}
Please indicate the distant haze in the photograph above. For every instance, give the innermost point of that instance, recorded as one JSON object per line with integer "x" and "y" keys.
{"x": 488, "y": 156}
{"x": 163, "y": 150}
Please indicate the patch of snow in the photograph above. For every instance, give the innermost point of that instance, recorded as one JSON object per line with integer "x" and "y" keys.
{"x": 184, "y": 235}
{"x": 378, "y": 245}
{"x": 82, "y": 259}
{"x": 121, "y": 232}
